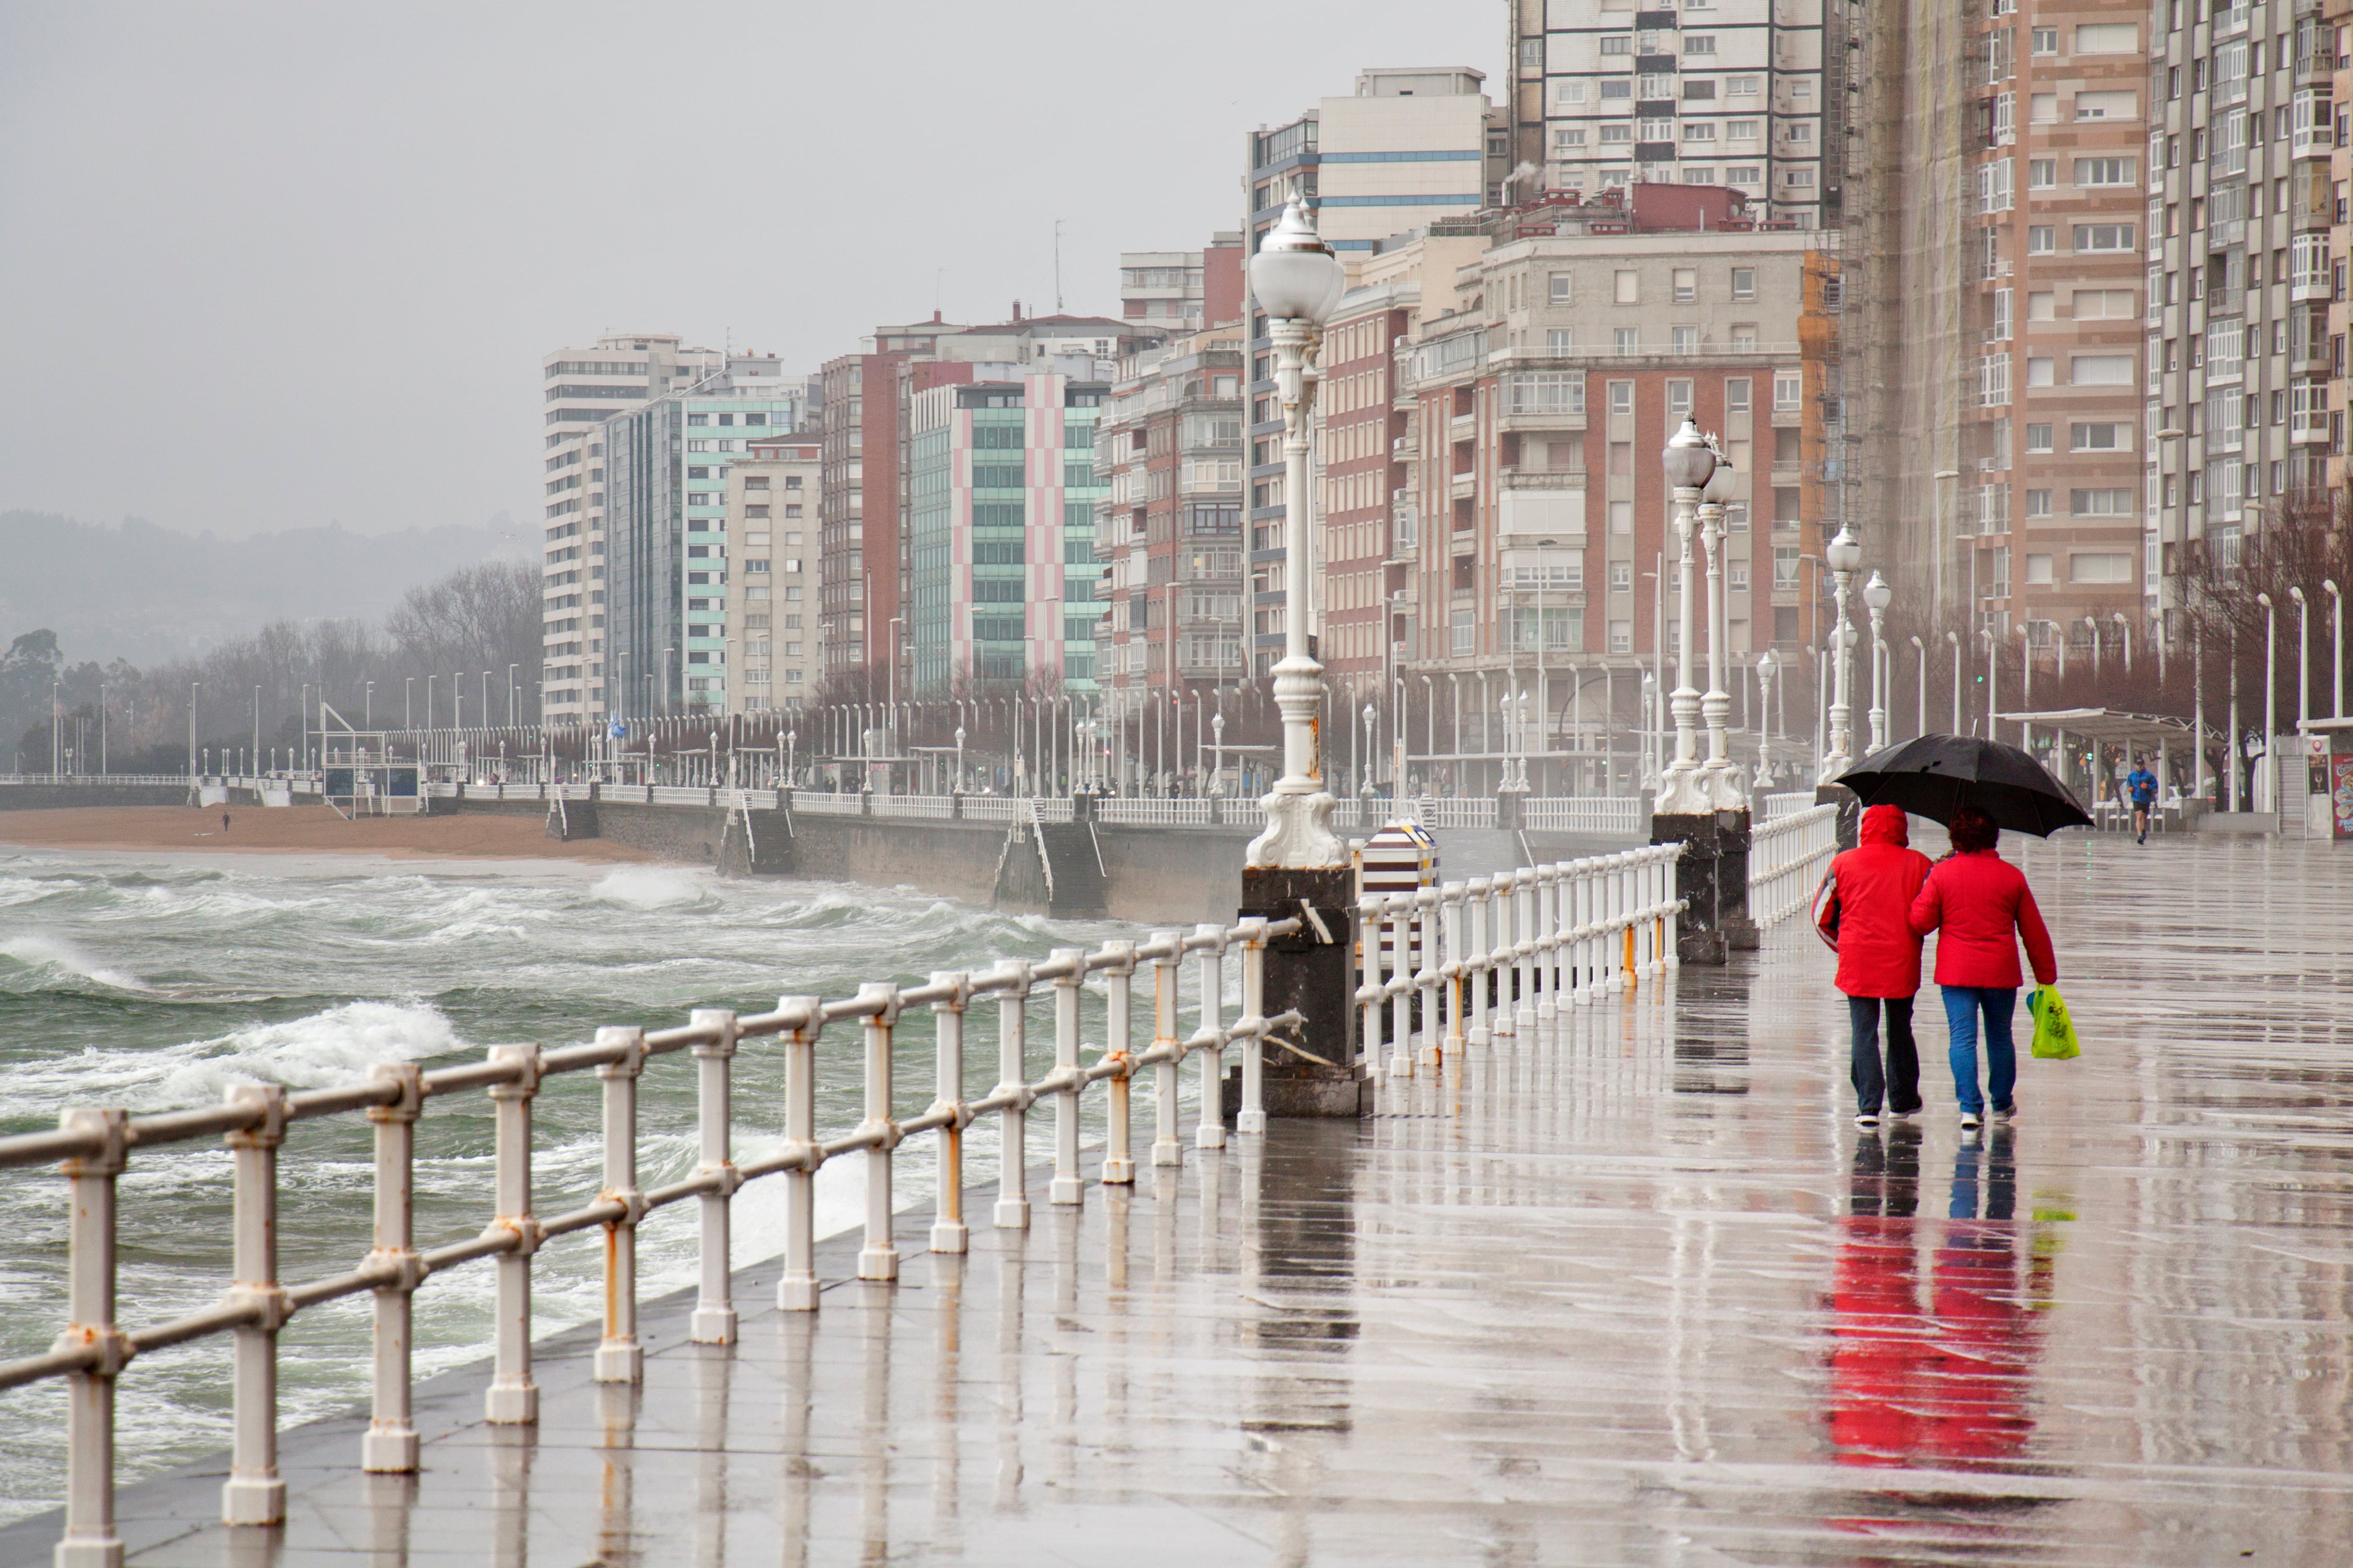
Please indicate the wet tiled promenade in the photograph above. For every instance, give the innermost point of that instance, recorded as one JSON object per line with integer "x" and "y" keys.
{"x": 1639, "y": 1295}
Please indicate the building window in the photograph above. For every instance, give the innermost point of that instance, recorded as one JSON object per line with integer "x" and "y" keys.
{"x": 1699, "y": 43}
{"x": 1626, "y": 340}
{"x": 2096, "y": 237}
{"x": 2045, "y": 41}
{"x": 1785, "y": 568}
{"x": 2038, "y": 437}
{"x": 1678, "y": 397}
{"x": 2042, "y": 240}
{"x": 1561, "y": 285}
{"x": 1686, "y": 285}
{"x": 1736, "y": 394}
{"x": 2104, "y": 171}
{"x": 2038, "y": 503}
{"x": 1788, "y": 392}
{"x": 2099, "y": 503}
{"x": 2098, "y": 438}
{"x": 1617, "y": 44}
{"x": 1629, "y": 288}
{"x": 1621, "y": 397}
{"x": 2041, "y": 173}
{"x": 2101, "y": 567}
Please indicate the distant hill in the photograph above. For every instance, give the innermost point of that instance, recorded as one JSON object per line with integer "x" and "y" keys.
{"x": 148, "y": 594}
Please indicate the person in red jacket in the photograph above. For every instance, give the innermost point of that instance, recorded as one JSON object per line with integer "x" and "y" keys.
{"x": 1981, "y": 905}
{"x": 1879, "y": 958}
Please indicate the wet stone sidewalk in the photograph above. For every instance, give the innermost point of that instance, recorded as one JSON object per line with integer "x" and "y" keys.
{"x": 1642, "y": 1294}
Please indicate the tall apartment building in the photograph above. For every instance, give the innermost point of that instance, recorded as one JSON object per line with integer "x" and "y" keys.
{"x": 1169, "y": 526}
{"x": 2049, "y": 524}
{"x": 583, "y": 387}
{"x": 1408, "y": 147}
{"x": 1182, "y": 291}
{"x": 1531, "y": 422}
{"x": 1746, "y": 93}
{"x": 666, "y": 469}
{"x": 2240, "y": 332}
{"x": 1000, "y": 528}
{"x": 2337, "y": 16}
{"x": 866, "y": 562}
{"x": 770, "y": 602}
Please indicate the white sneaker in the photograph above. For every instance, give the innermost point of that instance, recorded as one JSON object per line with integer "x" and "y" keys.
{"x": 1867, "y": 1119}
{"x": 1971, "y": 1121}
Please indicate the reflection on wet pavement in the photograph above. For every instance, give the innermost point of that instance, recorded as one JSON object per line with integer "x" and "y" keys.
{"x": 1640, "y": 1294}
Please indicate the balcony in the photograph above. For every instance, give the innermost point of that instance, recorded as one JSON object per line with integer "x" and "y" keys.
{"x": 1542, "y": 479}
{"x": 2225, "y": 234}
{"x": 1787, "y": 472}
{"x": 1406, "y": 448}
{"x": 1462, "y": 487}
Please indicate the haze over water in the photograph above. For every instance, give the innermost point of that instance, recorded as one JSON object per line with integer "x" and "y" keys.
{"x": 155, "y": 981}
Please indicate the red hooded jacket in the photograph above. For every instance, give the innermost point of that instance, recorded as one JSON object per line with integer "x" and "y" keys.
{"x": 1981, "y": 904}
{"x": 1877, "y": 880}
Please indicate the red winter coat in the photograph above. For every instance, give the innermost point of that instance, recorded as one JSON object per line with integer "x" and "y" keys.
{"x": 1877, "y": 880}
{"x": 1981, "y": 904}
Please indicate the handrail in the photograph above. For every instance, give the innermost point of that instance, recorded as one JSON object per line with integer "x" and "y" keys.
{"x": 1785, "y": 857}
{"x": 96, "y": 1144}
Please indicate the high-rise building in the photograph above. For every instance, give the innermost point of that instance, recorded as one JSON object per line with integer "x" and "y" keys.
{"x": 1746, "y": 93}
{"x": 666, "y": 533}
{"x": 866, "y": 564}
{"x": 1182, "y": 290}
{"x": 1408, "y": 148}
{"x": 1527, "y": 438}
{"x": 1169, "y": 527}
{"x": 1000, "y": 528}
{"x": 770, "y": 527}
{"x": 2337, "y": 16}
{"x": 583, "y": 388}
{"x": 2243, "y": 123}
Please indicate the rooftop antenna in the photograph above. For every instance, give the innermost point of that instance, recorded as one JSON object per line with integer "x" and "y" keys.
{"x": 1058, "y": 266}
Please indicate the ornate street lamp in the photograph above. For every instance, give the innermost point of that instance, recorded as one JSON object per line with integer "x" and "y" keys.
{"x": 1844, "y": 555}
{"x": 1876, "y": 594}
{"x": 1298, "y": 281}
{"x": 1723, "y": 779}
{"x": 1682, "y": 792}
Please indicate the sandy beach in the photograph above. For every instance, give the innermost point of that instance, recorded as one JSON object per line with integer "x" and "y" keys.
{"x": 301, "y": 829}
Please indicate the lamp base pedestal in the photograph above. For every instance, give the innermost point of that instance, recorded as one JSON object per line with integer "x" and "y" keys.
{"x": 1313, "y": 972}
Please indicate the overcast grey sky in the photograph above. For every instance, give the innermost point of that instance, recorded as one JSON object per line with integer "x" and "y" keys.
{"x": 272, "y": 266}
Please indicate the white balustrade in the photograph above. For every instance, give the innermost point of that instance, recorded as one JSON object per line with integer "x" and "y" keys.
{"x": 96, "y": 1146}
{"x": 1602, "y": 815}
{"x": 1786, "y": 859}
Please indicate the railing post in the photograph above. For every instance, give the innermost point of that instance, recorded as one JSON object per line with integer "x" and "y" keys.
{"x": 797, "y": 1288}
{"x": 512, "y": 1398}
{"x": 949, "y": 1233}
{"x": 1067, "y": 1187}
{"x": 1451, "y": 897}
{"x": 1475, "y": 954}
{"x": 255, "y": 1493}
{"x": 1670, "y": 954}
{"x": 1625, "y": 916}
{"x": 1580, "y": 934}
{"x": 879, "y": 1258}
{"x": 713, "y": 1322}
{"x": 390, "y": 1446}
{"x": 1251, "y": 1115}
{"x": 1119, "y": 976}
{"x": 1368, "y": 975}
{"x": 619, "y": 1358}
{"x": 1396, "y": 908}
{"x": 1425, "y": 978}
{"x": 1211, "y": 1132}
{"x": 1167, "y": 1150}
{"x": 1503, "y": 888}
{"x": 1527, "y": 929}
{"x": 90, "y": 1540}
{"x": 1548, "y": 941}
{"x": 1012, "y": 1078}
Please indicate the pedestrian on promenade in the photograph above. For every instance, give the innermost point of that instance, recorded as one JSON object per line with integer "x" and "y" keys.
{"x": 1981, "y": 905}
{"x": 1869, "y": 914}
{"x": 2142, "y": 785}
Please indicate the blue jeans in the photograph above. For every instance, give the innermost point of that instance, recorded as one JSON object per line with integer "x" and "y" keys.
{"x": 1961, "y": 1005}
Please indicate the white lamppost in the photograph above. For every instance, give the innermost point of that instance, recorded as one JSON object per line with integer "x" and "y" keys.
{"x": 1955, "y": 639}
{"x": 1217, "y": 750}
{"x": 2337, "y": 627}
{"x": 1876, "y": 595}
{"x": 1993, "y": 676}
{"x": 2026, "y": 686}
{"x": 1723, "y": 779}
{"x": 1365, "y": 773}
{"x": 2302, "y": 659}
{"x": 1768, "y": 665}
{"x": 1298, "y": 281}
{"x": 2267, "y": 793}
{"x": 1844, "y": 555}
{"x": 1919, "y": 685}
{"x": 1683, "y": 791}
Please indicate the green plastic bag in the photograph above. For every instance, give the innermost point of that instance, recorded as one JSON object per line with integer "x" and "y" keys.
{"x": 2054, "y": 1031}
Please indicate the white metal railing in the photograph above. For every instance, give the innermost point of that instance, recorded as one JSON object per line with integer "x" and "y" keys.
{"x": 96, "y": 1144}
{"x": 822, "y": 802}
{"x": 939, "y": 808}
{"x": 1508, "y": 951}
{"x": 994, "y": 808}
{"x": 1618, "y": 815}
{"x": 1786, "y": 857}
{"x": 1455, "y": 811}
{"x": 1788, "y": 803}
{"x": 1124, "y": 811}
{"x": 109, "y": 779}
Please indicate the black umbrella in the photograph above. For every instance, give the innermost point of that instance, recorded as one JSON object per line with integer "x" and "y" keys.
{"x": 1934, "y": 776}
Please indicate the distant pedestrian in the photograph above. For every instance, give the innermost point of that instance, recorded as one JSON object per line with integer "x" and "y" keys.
{"x": 2142, "y": 785}
{"x": 1981, "y": 904}
{"x": 224, "y": 822}
{"x": 1879, "y": 959}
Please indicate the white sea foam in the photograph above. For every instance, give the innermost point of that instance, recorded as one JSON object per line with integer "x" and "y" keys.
{"x": 51, "y": 956}
{"x": 651, "y": 888}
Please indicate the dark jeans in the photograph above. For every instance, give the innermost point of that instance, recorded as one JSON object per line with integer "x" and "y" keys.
{"x": 1900, "y": 1084}
{"x": 1962, "y": 1003}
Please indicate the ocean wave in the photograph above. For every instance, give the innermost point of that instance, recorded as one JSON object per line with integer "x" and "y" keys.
{"x": 655, "y": 887}
{"x": 49, "y": 961}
